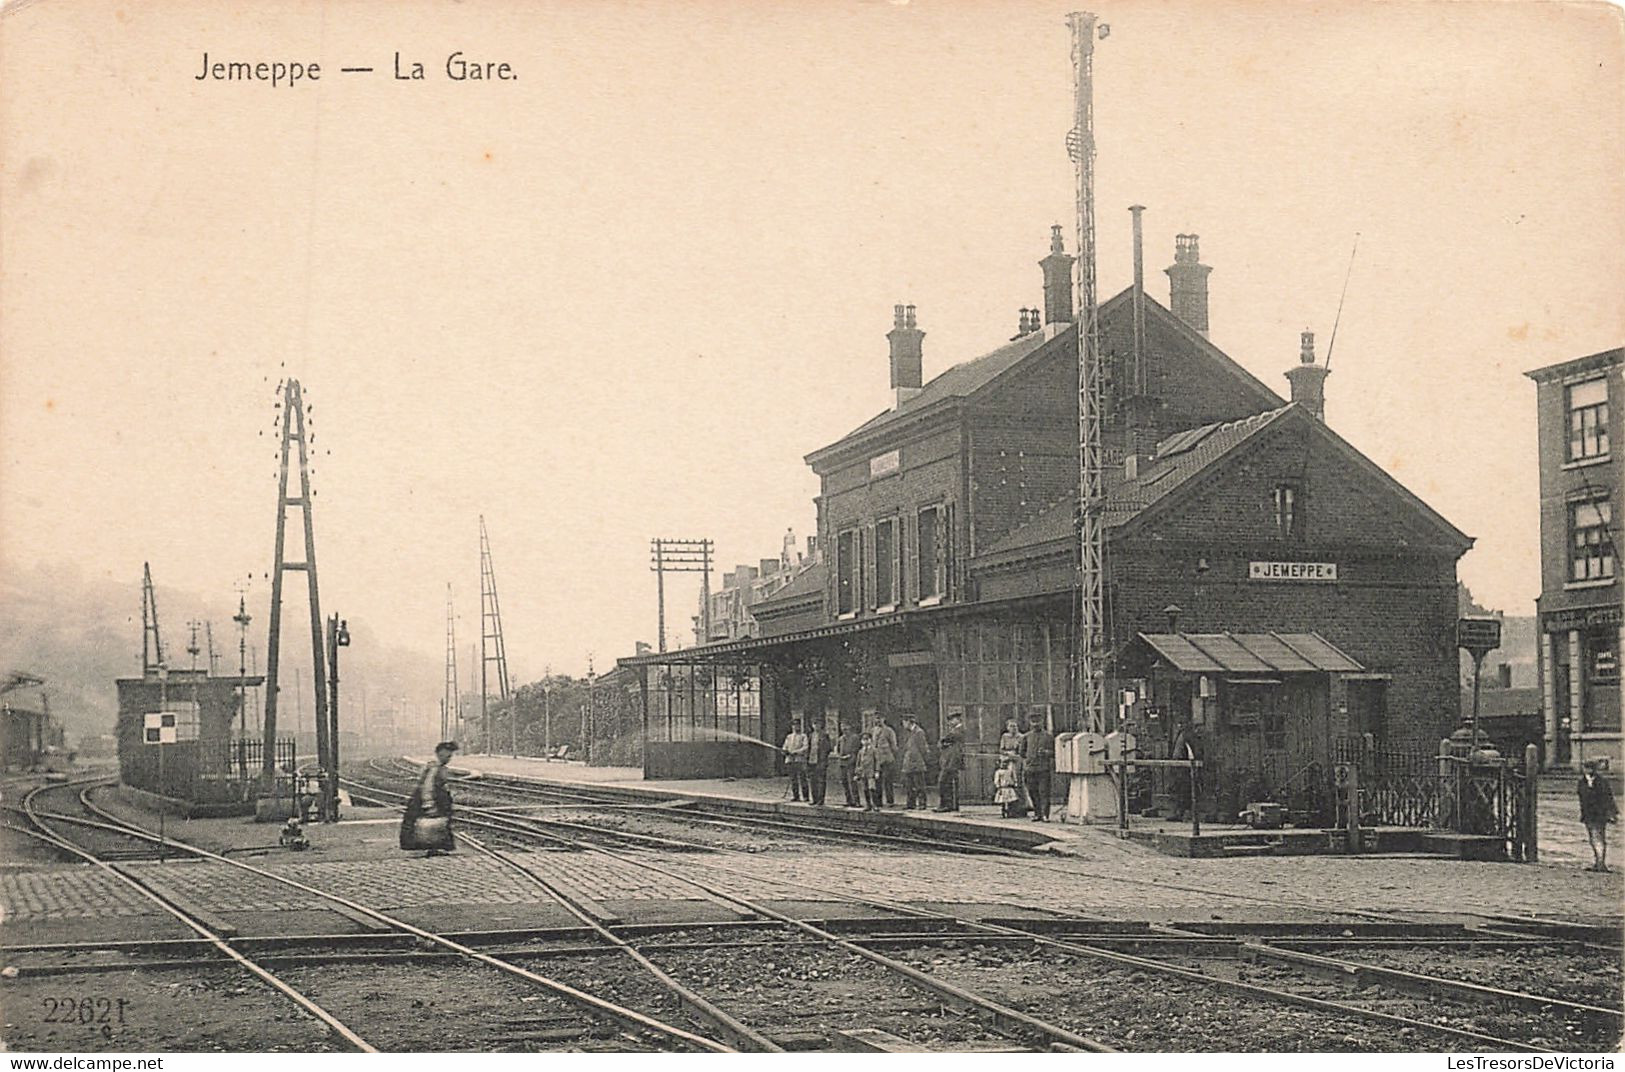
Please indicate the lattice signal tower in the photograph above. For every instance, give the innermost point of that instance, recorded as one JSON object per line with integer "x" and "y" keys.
{"x": 1091, "y": 639}
{"x": 451, "y": 709}
{"x": 492, "y": 649}
{"x": 294, "y": 436}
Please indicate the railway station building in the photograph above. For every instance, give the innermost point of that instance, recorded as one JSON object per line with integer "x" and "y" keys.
{"x": 1270, "y": 591}
{"x": 1579, "y": 434}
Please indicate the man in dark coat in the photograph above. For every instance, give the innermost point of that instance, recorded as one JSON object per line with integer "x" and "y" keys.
{"x": 1597, "y": 810}
{"x": 846, "y": 757}
{"x": 1038, "y": 763}
{"x": 819, "y": 747}
{"x": 951, "y": 760}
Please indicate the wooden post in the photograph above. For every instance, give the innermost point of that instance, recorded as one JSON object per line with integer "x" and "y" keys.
{"x": 1447, "y": 785}
{"x": 1351, "y": 809}
{"x": 1531, "y": 789}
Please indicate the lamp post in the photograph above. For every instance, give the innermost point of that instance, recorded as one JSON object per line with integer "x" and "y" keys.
{"x": 338, "y": 636}
{"x": 588, "y": 712}
{"x": 163, "y": 789}
{"x": 547, "y": 713}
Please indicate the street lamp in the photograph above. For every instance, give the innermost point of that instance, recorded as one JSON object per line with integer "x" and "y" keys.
{"x": 338, "y": 636}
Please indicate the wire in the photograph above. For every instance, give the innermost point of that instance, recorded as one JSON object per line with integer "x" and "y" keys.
{"x": 1332, "y": 344}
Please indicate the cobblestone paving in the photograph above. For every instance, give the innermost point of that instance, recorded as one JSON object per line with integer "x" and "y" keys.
{"x": 1114, "y": 879}
{"x": 71, "y": 890}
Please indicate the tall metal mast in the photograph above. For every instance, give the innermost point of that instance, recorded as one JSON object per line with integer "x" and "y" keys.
{"x": 452, "y": 713}
{"x": 293, "y": 432}
{"x": 1090, "y": 642}
{"x": 151, "y": 656}
{"x": 491, "y": 647}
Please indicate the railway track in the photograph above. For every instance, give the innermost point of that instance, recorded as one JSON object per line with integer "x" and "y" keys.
{"x": 1512, "y": 928}
{"x": 1354, "y": 991}
{"x": 566, "y": 1003}
{"x": 960, "y": 1016}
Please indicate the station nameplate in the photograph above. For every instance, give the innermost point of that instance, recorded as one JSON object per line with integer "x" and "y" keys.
{"x": 1310, "y": 572}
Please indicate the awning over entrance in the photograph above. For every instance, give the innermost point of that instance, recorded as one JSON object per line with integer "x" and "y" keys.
{"x": 1251, "y": 653}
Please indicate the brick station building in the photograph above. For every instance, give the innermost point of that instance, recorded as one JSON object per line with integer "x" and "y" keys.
{"x": 1269, "y": 589}
{"x": 1579, "y": 429}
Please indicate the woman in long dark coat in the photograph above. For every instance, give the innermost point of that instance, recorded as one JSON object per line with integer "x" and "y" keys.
{"x": 431, "y": 801}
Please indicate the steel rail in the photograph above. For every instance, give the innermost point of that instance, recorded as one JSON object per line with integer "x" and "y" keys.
{"x": 700, "y": 815}
{"x": 1501, "y": 926}
{"x": 1122, "y": 959}
{"x": 334, "y": 1024}
{"x": 741, "y": 1035}
{"x": 619, "y": 1014}
{"x": 1003, "y": 1018}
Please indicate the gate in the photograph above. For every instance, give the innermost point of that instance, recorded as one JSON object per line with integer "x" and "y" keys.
{"x": 1443, "y": 791}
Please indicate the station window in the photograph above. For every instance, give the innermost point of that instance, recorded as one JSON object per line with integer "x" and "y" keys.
{"x": 886, "y": 562}
{"x": 1603, "y": 644}
{"x": 930, "y": 558}
{"x": 848, "y": 575}
{"x": 1588, "y": 419}
{"x": 1591, "y": 540}
{"x": 1288, "y": 511}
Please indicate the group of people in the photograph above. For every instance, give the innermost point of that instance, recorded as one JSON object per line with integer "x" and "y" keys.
{"x": 869, "y": 759}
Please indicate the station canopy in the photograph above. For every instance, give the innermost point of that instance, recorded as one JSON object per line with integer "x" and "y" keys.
{"x": 1251, "y": 653}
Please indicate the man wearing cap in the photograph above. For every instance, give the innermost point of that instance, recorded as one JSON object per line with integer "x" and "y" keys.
{"x": 1597, "y": 810}
{"x": 914, "y": 747}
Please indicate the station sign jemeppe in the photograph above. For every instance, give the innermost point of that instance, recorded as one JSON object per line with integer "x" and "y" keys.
{"x": 1309, "y": 572}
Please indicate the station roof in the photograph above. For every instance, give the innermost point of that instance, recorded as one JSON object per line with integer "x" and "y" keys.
{"x": 1251, "y": 653}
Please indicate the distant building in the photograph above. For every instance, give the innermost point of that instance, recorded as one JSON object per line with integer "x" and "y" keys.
{"x": 732, "y": 607}
{"x": 1577, "y": 410}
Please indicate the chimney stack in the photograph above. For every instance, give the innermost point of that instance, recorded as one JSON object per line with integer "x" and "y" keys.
{"x": 905, "y": 339}
{"x": 1057, "y": 280}
{"x": 1308, "y": 378}
{"x": 1029, "y": 324}
{"x": 1187, "y": 284}
{"x": 1137, "y": 375}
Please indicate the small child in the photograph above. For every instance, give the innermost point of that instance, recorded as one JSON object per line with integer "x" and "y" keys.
{"x": 869, "y": 773}
{"x": 1004, "y": 788}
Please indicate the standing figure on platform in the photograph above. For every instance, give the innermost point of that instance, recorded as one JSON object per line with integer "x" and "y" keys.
{"x": 1038, "y": 765}
{"x": 795, "y": 761}
{"x": 884, "y": 739}
{"x": 846, "y": 758}
{"x": 1004, "y": 788}
{"x": 915, "y": 752}
{"x": 869, "y": 773}
{"x": 1597, "y": 810}
{"x": 819, "y": 747}
{"x": 427, "y": 822}
{"x": 952, "y": 759}
{"x": 1010, "y": 748}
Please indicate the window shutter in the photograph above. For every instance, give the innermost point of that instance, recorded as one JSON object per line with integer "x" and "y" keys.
{"x": 950, "y": 585}
{"x": 868, "y": 536}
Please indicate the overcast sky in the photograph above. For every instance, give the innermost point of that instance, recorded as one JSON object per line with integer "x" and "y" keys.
{"x": 623, "y": 295}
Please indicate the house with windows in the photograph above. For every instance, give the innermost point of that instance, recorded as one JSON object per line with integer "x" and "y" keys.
{"x": 1269, "y": 590}
{"x": 1577, "y": 412}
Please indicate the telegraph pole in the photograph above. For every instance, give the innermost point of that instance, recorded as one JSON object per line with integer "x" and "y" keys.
{"x": 682, "y": 556}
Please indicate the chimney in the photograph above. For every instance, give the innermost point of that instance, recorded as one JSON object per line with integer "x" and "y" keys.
{"x": 905, "y": 339}
{"x": 1137, "y": 373}
{"x": 1187, "y": 284}
{"x": 1308, "y": 379}
{"x": 1028, "y": 324}
{"x": 1057, "y": 280}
